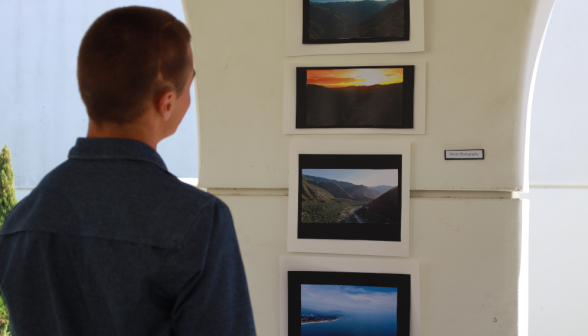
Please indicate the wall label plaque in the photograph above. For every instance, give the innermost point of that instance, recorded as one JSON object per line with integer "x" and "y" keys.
{"x": 464, "y": 154}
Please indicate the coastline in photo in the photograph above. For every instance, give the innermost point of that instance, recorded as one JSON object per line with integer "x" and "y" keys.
{"x": 334, "y": 310}
{"x": 359, "y": 196}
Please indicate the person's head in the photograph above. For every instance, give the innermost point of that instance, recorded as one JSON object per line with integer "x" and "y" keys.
{"x": 135, "y": 60}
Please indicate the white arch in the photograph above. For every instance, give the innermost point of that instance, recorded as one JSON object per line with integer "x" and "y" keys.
{"x": 542, "y": 14}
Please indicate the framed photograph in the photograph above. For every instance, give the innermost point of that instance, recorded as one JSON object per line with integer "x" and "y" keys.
{"x": 354, "y": 26}
{"x": 325, "y": 21}
{"x": 348, "y": 296}
{"x": 354, "y": 99}
{"x": 349, "y": 197}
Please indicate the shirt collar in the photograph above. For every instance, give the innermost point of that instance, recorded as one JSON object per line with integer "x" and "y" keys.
{"x": 115, "y": 148}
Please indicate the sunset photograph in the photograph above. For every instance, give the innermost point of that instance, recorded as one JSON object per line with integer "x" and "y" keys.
{"x": 355, "y": 21}
{"x": 355, "y": 97}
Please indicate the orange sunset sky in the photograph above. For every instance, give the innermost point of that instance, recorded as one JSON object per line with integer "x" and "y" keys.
{"x": 339, "y": 78}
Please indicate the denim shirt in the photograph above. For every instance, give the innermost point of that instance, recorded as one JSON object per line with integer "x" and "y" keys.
{"x": 110, "y": 243}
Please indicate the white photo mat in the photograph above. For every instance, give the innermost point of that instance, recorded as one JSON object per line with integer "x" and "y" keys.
{"x": 294, "y": 46}
{"x": 289, "y": 110}
{"x": 359, "y": 247}
{"x": 359, "y": 265}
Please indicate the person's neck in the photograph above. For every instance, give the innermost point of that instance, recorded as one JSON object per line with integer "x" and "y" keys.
{"x": 138, "y": 131}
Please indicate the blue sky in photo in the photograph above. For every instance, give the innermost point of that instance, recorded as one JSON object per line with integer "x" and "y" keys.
{"x": 366, "y": 177}
{"x": 350, "y": 299}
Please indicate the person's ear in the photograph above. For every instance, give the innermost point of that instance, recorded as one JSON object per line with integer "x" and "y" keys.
{"x": 165, "y": 104}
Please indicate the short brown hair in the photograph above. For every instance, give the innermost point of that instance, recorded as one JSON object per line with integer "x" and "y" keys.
{"x": 128, "y": 56}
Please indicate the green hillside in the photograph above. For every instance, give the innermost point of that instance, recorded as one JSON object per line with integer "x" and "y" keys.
{"x": 311, "y": 192}
{"x": 330, "y": 187}
{"x": 315, "y": 211}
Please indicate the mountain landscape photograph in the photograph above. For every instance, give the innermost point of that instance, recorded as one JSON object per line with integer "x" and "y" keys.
{"x": 361, "y": 196}
{"x": 354, "y": 97}
{"x": 343, "y": 310}
{"x": 355, "y": 21}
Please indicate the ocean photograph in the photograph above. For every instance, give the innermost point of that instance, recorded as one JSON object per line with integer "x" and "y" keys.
{"x": 349, "y": 196}
{"x": 342, "y": 310}
{"x": 356, "y": 19}
{"x": 354, "y": 97}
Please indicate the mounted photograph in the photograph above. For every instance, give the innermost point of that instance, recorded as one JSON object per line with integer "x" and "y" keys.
{"x": 348, "y": 303}
{"x": 343, "y": 27}
{"x": 322, "y": 296}
{"x": 350, "y": 197}
{"x": 355, "y": 21}
{"x": 355, "y": 97}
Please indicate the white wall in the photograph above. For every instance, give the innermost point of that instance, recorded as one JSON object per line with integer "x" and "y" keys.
{"x": 475, "y": 52}
{"x": 558, "y": 255}
{"x": 558, "y": 173}
{"x": 469, "y": 249}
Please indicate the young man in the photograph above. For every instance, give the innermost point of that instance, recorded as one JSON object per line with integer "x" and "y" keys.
{"x": 110, "y": 243}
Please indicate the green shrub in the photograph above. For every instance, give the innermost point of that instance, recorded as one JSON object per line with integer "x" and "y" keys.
{"x": 7, "y": 197}
{"x": 7, "y": 202}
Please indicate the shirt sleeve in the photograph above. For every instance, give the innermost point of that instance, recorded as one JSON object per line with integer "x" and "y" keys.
{"x": 213, "y": 298}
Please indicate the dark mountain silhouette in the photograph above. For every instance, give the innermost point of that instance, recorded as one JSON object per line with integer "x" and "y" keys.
{"x": 381, "y": 189}
{"x": 339, "y": 183}
{"x": 386, "y": 205}
{"x": 310, "y": 192}
{"x": 357, "y": 19}
{"x": 325, "y": 24}
{"x": 362, "y": 193}
{"x": 330, "y": 187}
{"x": 376, "y": 105}
{"x": 387, "y": 22}
{"x": 355, "y": 12}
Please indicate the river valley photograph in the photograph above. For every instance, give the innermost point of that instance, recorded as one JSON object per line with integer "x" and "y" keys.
{"x": 344, "y": 310}
{"x": 359, "y": 196}
{"x": 328, "y": 21}
{"x": 349, "y": 97}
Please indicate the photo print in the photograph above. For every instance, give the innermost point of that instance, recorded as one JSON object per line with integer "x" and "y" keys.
{"x": 347, "y": 303}
{"x": 350, "y": 197}
{"x": 355, "y": 21}
{"x": 355, "y": 97}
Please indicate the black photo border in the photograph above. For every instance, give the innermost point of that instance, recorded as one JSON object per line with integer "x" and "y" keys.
{"x": 307, "y": 40}
{"x": 408, "y": 89}
{"x": 349, "y": 231}
{"x": 400, "y": 281}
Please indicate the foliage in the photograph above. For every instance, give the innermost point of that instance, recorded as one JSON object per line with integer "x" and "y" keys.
{"x": 7, "y": 202}
{"x": 316, "y": 211}
{"x": 4, "y": 326}
{"x": 7, "y": 193}
{"x": 310, "y": 191}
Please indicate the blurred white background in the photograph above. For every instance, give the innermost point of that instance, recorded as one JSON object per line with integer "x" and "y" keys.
{"x": 559, "y": 178}
{"x": 42, "y": 113}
